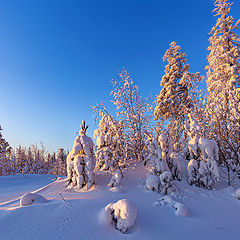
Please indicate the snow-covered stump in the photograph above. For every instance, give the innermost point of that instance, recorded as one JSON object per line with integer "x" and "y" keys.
{"x": 122, "y": 214}
{"x": 81, "y": 161}
{"x": 32, "y": 198}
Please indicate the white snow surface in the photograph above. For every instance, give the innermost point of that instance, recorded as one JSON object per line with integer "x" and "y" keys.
{"x": 214, "y": 214}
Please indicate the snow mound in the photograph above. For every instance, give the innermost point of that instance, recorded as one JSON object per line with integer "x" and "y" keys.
{"x": 237, "y": 193}
{"x": 152, "y": 182}
{"x": 180, "y": 208}
{"x": 122, "y": 214}
{"x": 31, "y": 198}
{"x": 115, "y": 180}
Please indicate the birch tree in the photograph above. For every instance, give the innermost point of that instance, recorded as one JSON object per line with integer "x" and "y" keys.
{"x": 134, "y": 113}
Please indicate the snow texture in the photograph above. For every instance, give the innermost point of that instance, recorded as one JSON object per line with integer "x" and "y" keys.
{"x": 32, "y": 198}
{"x": 123, "y": 214}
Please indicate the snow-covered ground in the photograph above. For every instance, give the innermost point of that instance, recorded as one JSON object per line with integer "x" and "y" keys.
{"x": 78, "y": 215}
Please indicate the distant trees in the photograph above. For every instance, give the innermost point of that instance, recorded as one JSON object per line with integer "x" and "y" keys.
{"x": 4, "y": 152}
{"x": 31, "y": 160}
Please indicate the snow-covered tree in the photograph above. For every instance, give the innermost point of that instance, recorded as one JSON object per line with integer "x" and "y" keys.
{"x": 110, "y": 143}
{"x": 61, "y": 162}
{"x": 223, "y": 84}
{"x": 134, "y": 113}
{"x": 81, "y": 161}
{"x": 176, "y": 100}
{"x": 159, "y": 177}
{"x": 158, "y": 163}
{"x": 202, "y": 168}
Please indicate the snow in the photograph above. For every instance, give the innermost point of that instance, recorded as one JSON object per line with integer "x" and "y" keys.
{"x": 68, "y": 214}
{"x": 115, "y": 180}
{"x": 152, "y": 182}
{"x": 32, "y": 198}
{"x": 180, "y": 209}
{"x": 123, "y": 214}
{"x": 237, "y": 193}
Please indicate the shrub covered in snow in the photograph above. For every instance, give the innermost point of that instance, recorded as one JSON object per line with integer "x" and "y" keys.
{"x": 180, "y": 208}
{"x": 110, "y": 144}
{"x": 166, "y": 185}
{"x": 152, "y": 183}
{"x": 237, "y": 193}
{"x": 81, "y": 161}
{"x": 32, "y": 198}
{"x": 115, "y": 180}
{"x": 123, "y": 214}
{"x": 202, "y": 168}
{"x": 158, "y": 164}
{"x": 170, "y": 155}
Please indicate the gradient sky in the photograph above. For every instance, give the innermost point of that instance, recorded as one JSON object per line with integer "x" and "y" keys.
{"x": 57, "y": 58}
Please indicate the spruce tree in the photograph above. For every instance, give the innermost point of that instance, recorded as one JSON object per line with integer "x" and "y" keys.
{"x": 223, "y": 84}
{"x": 174, "y": 101}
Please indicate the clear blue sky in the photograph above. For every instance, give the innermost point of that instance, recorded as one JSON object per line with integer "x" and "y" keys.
{"x": 57, "y": 58}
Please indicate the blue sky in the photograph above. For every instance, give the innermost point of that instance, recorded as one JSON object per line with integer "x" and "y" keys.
{"x": 57, "y": 58}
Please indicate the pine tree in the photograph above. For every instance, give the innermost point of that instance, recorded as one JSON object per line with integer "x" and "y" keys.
{"x": 175, "y": 100}
{"x": 81, "y": 161}
{"x": 223, "y": 84}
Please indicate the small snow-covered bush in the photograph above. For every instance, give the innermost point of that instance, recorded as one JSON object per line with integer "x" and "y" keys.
{"x": 158, "y": 164}
{"x": 123, "y": 214}
{"x": 166, "y": 185}
{"x": 170, "y": 155}
{"x": 110, "y": 152}
{"x": 237, "y": 193}
{"x": 32, "y": 198}
{"x": 180, "y": 208}
{"x": 152, "y": 183}
{"x": 202, "y": 168}
{"x": 115, "y": 180}
{"x": 81, "y": 161}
